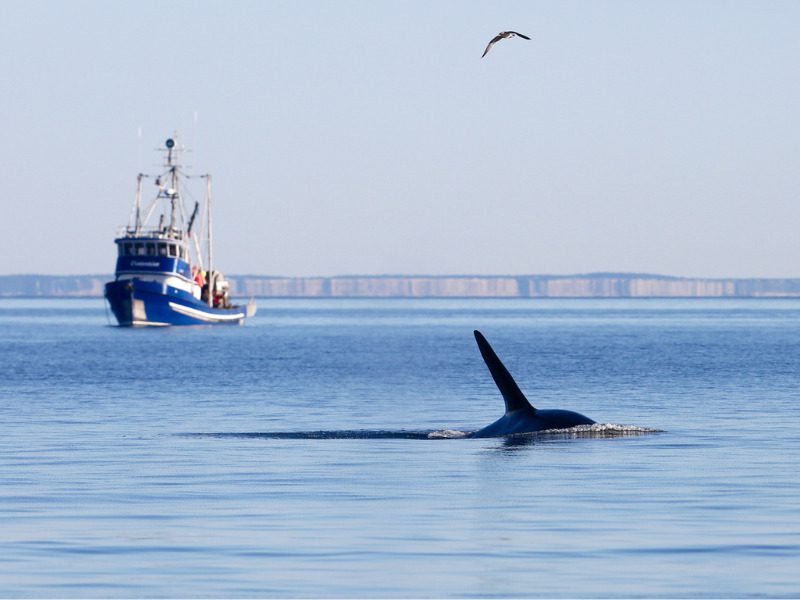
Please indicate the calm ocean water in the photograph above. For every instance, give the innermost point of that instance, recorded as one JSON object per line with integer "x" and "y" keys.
{"x": 289, "y": 457}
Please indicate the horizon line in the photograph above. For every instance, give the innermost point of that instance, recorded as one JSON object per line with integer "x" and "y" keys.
{"x": 591, "y": 274}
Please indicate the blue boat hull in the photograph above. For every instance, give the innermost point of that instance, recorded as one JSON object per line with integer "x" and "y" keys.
{"x": 136, "y": 302}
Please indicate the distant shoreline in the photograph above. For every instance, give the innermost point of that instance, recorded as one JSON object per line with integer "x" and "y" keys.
{"x": 591, "y": 285}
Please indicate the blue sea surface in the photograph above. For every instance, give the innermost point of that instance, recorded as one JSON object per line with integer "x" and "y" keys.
{"x": 293, "y": 456}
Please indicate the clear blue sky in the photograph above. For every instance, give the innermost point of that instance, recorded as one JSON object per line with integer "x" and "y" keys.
{"x": 368, "y": 137}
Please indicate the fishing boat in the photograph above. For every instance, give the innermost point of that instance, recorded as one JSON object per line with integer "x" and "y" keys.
{"x": 164, "y": 273}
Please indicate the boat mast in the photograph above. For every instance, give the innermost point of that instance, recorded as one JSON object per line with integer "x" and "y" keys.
{"x": 138, "y": 223}
{"x": 212, "y": 284}
{"x": 173, "y": 191}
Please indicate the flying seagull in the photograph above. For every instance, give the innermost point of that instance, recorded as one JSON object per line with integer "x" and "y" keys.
{"x": 500, "y": 36}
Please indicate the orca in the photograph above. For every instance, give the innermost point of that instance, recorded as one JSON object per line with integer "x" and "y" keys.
{"x": 520, "y": 415}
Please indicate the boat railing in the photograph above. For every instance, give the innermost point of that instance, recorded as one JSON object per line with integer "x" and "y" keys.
{"x": 161, "y": 233}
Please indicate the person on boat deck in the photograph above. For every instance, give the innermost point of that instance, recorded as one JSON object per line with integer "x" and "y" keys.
{"x": 199, "y": 277}
{"x": 221, "y": 300}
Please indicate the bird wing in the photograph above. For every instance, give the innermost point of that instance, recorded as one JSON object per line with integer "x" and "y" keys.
{"x": 524, "y": 37}
{"x": 495, "y": 39}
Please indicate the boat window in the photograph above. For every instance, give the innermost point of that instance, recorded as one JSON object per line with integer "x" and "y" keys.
{"x": 162, "y": 249}
{"x": 128, "y": 249}
{"x": 139, "y": 249}
{"x": 173, "y": 249}
{"x": 151, "y": 249}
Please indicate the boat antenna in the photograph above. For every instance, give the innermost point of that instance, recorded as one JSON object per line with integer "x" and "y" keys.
{"x": 139, "y": 149}
{"x": 194, "y": 136}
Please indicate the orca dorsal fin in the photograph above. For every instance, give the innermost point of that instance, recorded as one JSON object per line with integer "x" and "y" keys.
{"x": 513, "y": 396}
